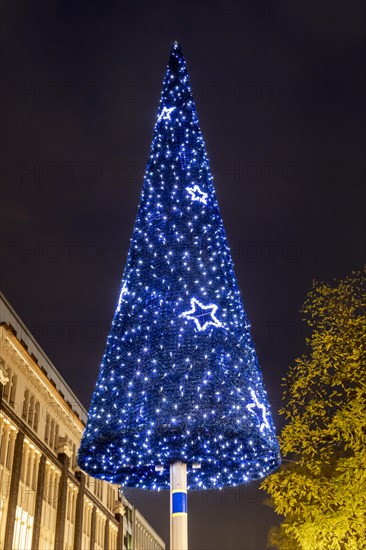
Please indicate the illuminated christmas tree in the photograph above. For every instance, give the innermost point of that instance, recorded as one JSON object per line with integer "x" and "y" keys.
{"x": 179, "y": 380}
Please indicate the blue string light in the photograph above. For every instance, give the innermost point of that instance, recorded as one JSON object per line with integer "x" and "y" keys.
{"x": 179, "y": 378}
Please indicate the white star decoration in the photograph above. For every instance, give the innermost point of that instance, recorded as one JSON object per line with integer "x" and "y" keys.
{"x": 165, "y": 113}
{"x": 197, "y": 194}
{"x": 258, "y": 405}
{"x": 199, "y": 314}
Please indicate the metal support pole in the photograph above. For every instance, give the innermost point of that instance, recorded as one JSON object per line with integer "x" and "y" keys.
{"x": 178, "y": 506}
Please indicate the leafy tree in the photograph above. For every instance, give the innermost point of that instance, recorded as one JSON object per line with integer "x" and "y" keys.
{"x": 321, "y": 488}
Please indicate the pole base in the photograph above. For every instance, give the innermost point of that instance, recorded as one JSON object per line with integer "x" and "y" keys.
{"x": 178, "y": 506}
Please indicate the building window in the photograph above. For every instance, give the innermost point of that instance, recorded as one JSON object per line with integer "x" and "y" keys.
{"x": 55, "y": 437}
{"x": 113, "y": 537}
{"x": 51, "y": 486}
{"x": 74, "y": 458}
{"x": 110, "y": 498}
{"x": 30, "y": 410}
{"x": 28, "y": 477}
{"x": 25, "y": 405}
{"x": 36, "y": 416}
{"x": 98, "y": 488}
{"x": 7, "y": 446}
{"x": 53, "y": 489}
{"x": 70, "y": 508}
{"x": 99, "y": 530}
{"x": 10, "y": 453}
{"x": 47, "y": 428}
{"x": 35, "y": 474}
{"x": 128, "y": 541}
{"x": 87, "y": 518}
{"x": 51, "y": 432}
{"x": 128, "y": 513}
{"x": 10, "y": 387}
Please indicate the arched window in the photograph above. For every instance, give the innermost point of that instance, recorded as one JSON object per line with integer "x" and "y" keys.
{"x": 36, "y": 416}
{"x": 25, "y": 405}
{"x": 52, "y": 432}
{"x": 47, "y": 429}
{"x": 31, "y": 410}
{"x": 13, "y": 388}
{"x": 55, "y": 438}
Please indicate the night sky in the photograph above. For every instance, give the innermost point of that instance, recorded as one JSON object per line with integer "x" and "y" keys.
{"x": 279, "y": 92}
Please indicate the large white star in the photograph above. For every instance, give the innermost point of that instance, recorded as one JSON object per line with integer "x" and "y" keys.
{"x": 258, "y": 405}
{"x": 165, "y": 113}
{"x": 199, "y": 314}
{"x": 197, "y": 194}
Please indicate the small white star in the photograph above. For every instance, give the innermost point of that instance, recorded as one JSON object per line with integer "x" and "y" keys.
{"x": 197, "y": 194}
{"x": 165, "y": 113}
{"x": 258, "y": 405}
{"x": 199, "y": 316}
{"x": 123, "y": 292}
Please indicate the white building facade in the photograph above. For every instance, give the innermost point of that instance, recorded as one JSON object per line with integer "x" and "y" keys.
{"x": 46, "y": 501}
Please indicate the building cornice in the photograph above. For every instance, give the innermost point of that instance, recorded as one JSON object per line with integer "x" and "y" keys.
{"x": 16, "y": 352}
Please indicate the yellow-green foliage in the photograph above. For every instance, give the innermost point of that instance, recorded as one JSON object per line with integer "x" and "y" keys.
{"x": 321, "y": 488}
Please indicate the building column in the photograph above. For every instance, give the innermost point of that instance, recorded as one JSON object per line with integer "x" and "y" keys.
{"x": 79, "y": 510}
{"x": 93, "y": 528}
{"x": 13, "y": 494}
{"x": 106, "y": 534}
{"x": 119, "y": 512}
{"x": 64, "y": 454}
{"x": 39, "y": 503}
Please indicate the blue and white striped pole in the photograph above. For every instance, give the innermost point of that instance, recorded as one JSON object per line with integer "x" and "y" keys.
{"x": 178, "y": 506}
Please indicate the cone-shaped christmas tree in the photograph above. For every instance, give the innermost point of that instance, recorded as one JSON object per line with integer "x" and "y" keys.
{"x": 179, "y": 380}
